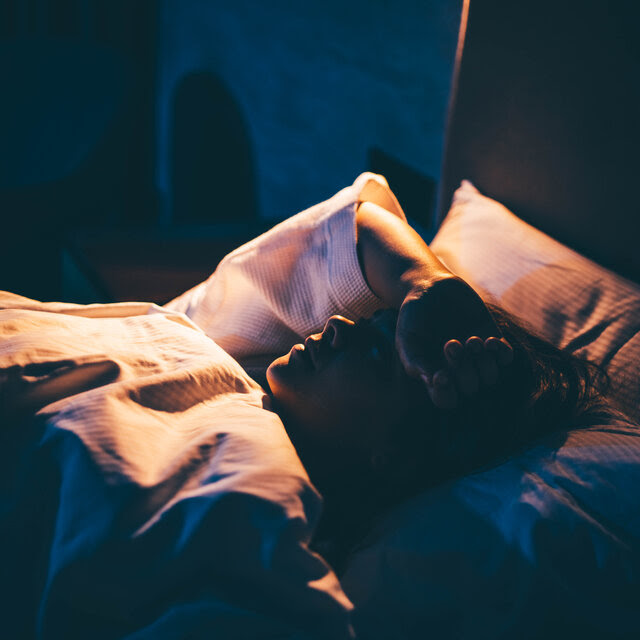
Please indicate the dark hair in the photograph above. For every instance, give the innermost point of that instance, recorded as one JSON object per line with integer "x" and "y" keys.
{"x": 544, "y": 390}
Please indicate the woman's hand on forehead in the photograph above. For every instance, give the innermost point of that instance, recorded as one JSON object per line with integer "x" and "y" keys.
{"x": 471, "y": 366}
{"x": 446, "y": 337}
{"x": 435, "y": 307}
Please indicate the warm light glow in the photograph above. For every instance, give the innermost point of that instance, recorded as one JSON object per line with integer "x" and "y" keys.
{"x": 461, "y": 34}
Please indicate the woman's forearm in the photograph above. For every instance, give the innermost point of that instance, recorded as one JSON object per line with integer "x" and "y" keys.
{"x": 439, "y": 316}
{"x": 393, "y": 257}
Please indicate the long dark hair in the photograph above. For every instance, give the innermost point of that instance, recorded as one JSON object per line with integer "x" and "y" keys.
{"x": 544, "y": 390}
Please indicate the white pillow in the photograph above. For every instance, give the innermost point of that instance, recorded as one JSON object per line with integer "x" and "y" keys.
{"x": 567, "y": 298}
{"x": 546, "y": 544}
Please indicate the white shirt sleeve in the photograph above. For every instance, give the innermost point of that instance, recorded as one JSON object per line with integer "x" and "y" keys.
{"x": 280, "y": 287}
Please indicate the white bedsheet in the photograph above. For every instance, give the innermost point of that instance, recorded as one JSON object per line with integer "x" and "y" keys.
{"x": 164, "y": 498}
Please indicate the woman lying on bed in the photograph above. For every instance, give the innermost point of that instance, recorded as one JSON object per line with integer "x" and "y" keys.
{"x": 156, "y": 475}
{"x": 412, "y": 379}
{"x": 432, "y": 384}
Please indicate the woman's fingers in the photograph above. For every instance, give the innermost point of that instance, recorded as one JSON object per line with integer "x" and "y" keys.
{"x": 488, "y": 369}
{"x": 487, "y": 365}
{"x": 476, "y": 363}
{"x": 461, "y": 366}
{"x": 474, "y": 345}
{"x": 502, "y": 350}
{"x": 468, "y": 368}
{"x": 441, "y": 389}
{"x": 466, "y": 377}
{"x": 453, "y": 351}
{"x": 463, "y": 374}
{"x": 488, "y": 356}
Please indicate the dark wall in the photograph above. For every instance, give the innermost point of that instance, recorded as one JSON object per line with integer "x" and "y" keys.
{"x": 77, "y": 80}
{"x": 78, "y": 86}
{"x": 324, "y": 90}
{"x": 166, "y": 113}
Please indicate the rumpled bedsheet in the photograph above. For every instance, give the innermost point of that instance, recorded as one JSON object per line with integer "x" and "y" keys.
{"x": 146, "y": 489}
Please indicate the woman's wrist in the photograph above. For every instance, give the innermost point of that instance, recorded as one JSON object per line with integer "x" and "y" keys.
{"x": 419, "y": 279}
{"x": 417, "y": 282}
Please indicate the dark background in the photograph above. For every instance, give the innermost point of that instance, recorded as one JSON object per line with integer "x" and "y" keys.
{"x": 140, "y": 141}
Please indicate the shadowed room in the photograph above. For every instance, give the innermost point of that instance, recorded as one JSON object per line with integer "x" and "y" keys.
{"x": 319, "y": 320}
{"x": 143, "y": 141}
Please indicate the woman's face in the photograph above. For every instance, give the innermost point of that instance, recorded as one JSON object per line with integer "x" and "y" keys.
{"x": 343, "y": 387}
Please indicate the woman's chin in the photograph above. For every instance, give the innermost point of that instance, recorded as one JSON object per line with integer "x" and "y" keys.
{"x": 290, "y": 369}
{"x": 276, "y": 367}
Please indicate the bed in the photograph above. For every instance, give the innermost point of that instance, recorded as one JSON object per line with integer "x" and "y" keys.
{"x": 537, "y": 210}
{"x": 107, "y": 538}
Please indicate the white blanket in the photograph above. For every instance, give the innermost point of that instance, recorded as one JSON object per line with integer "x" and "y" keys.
{"x": 169, "y": 498}
{"x": 154, "y": 494}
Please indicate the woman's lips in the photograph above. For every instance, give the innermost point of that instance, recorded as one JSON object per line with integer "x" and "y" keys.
{"x": 299, "y": 352}
{"x": 312, "y": 350}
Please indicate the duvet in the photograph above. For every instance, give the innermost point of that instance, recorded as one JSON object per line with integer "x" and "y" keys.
{"x": 154, "y": 494}
{"x": 148, "y": 490}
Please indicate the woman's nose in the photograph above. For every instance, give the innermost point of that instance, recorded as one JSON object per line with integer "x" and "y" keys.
{"x": 336, "y": 331}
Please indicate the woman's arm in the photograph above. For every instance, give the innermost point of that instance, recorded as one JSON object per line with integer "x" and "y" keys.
{"x": 445, "y": 334}
{"x": 394, "y": 259}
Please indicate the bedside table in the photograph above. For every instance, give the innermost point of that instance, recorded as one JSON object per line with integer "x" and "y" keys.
{"x": 151, "y": 265}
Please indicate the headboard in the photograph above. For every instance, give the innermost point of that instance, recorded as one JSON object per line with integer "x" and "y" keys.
{"x": 544, "y": 118}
